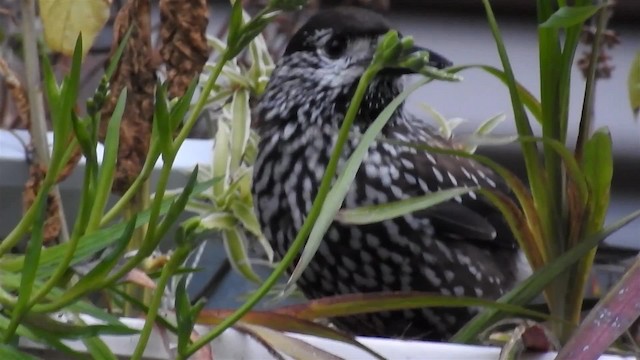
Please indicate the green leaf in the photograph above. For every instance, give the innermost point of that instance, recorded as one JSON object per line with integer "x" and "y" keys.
{"x": 568, "y": 16}
{"x": 90, "y": 244}
{"x": 597, "y": 163}
{"x": 95, "y": 277}
{"x": 235, "y": 24}
{"x": 10, "y": 352}
{"x": 633, "y": 82}
{"x": 84, "y": 139}
{"x": 38, "y": 336}
{"x": 356, "y": 304}
{"x": 235, "y": 245}
{"x": 110, "y": 157}
{"x": 98, "y": 349}
{"x": 184, "y": 319}
{"x": 528, "y": 289}
{"x": 218, "y": 221}
{"x": 241, "y": 127}
{"x": 80, "y": 330}
{"x": 338, "y": 192}
{"x": 246, "y": 216}
{"x": 51, "y": 87}
{"x": 31, "y": 260}
{"x": 162, "y": 121}
{"x": 377, "y": 213}
{"x": 115, "y": 58}
{"x": 221, "y": 158}
{"x": 176, "y": 209}
{"x": 181, "y": 107}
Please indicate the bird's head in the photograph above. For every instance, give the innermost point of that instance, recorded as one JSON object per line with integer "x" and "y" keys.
{"x": 322, "y": 64}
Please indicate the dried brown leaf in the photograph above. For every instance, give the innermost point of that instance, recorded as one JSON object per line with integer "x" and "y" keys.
{"x": 139, "y": 277}
{"x": 136, "y": 72}
{"x": 184, "y": 47}
{"x": 52, "y": 225}
{"x": 18, "y": 93}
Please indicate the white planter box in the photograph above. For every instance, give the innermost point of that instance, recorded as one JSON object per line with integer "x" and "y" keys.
{"x": 232, "y": 345}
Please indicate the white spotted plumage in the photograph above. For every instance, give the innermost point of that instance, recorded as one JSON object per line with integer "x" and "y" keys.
{"x": 449, "y": 249}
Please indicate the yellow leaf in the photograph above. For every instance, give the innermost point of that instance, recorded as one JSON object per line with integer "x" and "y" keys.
{"x": 634, "y": 85}
{"x": 64, "y": 20}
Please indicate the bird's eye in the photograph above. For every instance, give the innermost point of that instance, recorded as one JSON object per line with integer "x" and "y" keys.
{"x": 336, "y": 46}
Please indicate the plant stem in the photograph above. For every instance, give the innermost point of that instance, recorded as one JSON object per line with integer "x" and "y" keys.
{"x": 301, "y": 237}
{"x": 586, "y": 118}
{"x": 138, "y": 204}
{"x": 170, "y": 268}
{"x": 36, "y": 105}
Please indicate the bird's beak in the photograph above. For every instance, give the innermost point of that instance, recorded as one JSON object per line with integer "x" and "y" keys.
{"x": 436, "y": 60}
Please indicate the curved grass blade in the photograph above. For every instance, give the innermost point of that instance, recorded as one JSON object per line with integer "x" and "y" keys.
{"x": 355, "y": 304}
{"x": 31, "y": 260}
{"x": 285, "y": 323}
{"x": 376, "y": 213}
{"x": 336, "y": 195}
{"x": 10, "y": 352}
{"x": 568, "y": 16}
{"x": 528, "y": 99}
{"x": 235, "y": 245}
{"x": 278, "y": 342}
{"x": 531, "y": 287}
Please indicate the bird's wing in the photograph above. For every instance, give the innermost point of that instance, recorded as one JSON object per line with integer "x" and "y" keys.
{"x": 471, "y": 216}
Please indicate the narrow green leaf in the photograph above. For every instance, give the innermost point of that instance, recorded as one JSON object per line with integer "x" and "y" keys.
{"x": 72, "y": 82}
{"x": 357, "y": 304}
{"x": 75, "y": 331}
{"x": 92, "y": 243}
{"x": 93, "y": 280}
{"x": 235, "y": 24}
{"x": 597, "y": 163}
{"x": 221, "y": 158}
{"x": 218, "y": 221}
{"x": 84, "y": 138}
{"x": 51, "y": 87}
{"x": 10, "y": 352}
{"x": 115, "y": 58}
{"x": 38, "y": 336}
{"x": 336, "y": 195}
{"x": 377, "y": 213}
{"x": 162, "y": 122}
{"x": 633, "y": 82}
{"x": 98, "y": 349}
{"x": 235, "y": 245}
{"x": 247, "y": 217}
{"x": 176, "y": 209}
{"x": 110, "y": 157}
{"x": 528, "y": 99}
{"x": 31, "y": 260}
{"x": 528, "y": 289}
{"x": 179, "y": 110}
{"x": 241, "y": 127}
{"x": 184, "y": 319}
{"x": 568, "y": 16}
